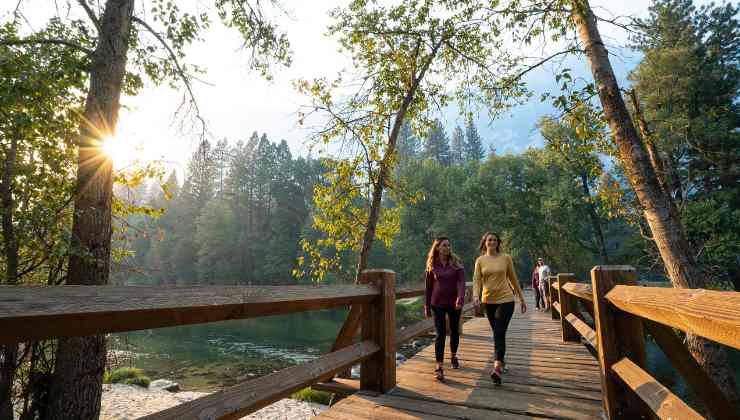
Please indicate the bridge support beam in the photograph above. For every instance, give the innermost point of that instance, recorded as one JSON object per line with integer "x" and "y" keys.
{"x": 568, "y": 305}
{"x": 378, "y": 373}
{"x": 619, "y": 335}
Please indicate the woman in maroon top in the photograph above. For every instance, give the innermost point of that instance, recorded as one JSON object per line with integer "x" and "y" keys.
{"x": 445, "y": 291}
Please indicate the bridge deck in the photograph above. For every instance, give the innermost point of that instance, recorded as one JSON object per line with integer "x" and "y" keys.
{"x": 546, "y": 378}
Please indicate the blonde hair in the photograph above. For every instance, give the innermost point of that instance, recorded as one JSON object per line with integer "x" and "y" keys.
{"x": 433, "y": 255}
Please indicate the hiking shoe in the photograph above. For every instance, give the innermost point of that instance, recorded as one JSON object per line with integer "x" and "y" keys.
{"x": 496, "y": 375}
{"x": 439, "y": 374}
{"x": 455, "y": 363}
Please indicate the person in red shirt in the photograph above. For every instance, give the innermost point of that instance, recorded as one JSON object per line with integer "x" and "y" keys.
{"x": 444, "y": 295}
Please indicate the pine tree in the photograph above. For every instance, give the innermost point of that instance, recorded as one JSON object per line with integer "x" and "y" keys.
{"x": 458, "y": 147}
{"x": 437, "y": 145}
{"x": 473, "y": 143}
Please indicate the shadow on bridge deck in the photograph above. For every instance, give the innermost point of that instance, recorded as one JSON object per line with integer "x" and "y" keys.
{"x": 546, "y": 378}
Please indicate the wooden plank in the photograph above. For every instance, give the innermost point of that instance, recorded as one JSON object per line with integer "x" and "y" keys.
{"x": 568, "y": 306}
{"x": 339, "y": 386}
{"x": 702, "y": 385}
{"x": 556, "y": 305}
{"x": 584, "y": 330}
{"x": 33, "y": 313}
{"x": 581, "y": 290}
{"x": 499, "y": 398}
{"x": 553, "y": 297}
{"x": 409, "y": 292}
{"x": 378, "y": 373}
{"x": 250, "y": 396}
{"x": 396, "y": 407}
{"x": 708, "y": 313}
{"x": 618, "y": 335}
{"x": 662, "y": 401}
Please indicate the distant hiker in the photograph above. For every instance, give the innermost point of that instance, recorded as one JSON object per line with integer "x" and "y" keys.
{"x": 536, "y": 287}
{"x": 444, "y": 295}
{"x": 543, "y": 272}
{"x": 495, "y": 281}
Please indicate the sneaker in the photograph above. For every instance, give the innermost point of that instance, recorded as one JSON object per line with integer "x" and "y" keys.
{"x": 496, "y": 375}
{"x": 455, "y": 363}
{"x": 439, "y": 374}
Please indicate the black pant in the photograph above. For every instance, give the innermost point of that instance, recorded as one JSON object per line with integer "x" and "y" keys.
{"x": 440, "y": 325}
{"x": 499, "y": 315}
{"x": 538, "y": 298}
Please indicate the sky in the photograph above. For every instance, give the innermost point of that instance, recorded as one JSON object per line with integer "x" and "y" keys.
{"x": 236, "y": 101}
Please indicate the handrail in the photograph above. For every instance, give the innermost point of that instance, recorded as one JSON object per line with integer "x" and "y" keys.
{"x": 30, "y": 313}
{"x": 711, "y": 314}
{"x": 621, "y": 307}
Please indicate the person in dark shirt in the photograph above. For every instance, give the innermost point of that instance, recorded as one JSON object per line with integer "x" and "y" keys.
{"x": 444, "y": 295}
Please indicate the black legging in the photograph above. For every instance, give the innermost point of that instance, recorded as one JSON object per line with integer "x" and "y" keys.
{"x": 499, "y": 315}
{"x": 538, "y": 298}
{"x": 441, "y": 326}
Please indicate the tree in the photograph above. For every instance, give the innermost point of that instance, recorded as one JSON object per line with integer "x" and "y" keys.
{"x": 576, "y": 141}
{"x": 79, "y": 365}
{"x": 473, "y": 143}
{"x": 405, "y": 52}
{"x": 457, "y": 146}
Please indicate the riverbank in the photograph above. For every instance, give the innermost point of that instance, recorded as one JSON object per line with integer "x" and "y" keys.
{"x": 124, "y": 402}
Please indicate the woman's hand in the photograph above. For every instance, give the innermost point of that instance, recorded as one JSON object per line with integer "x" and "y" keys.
{"x": 476, "y": 302}
{"x": 427, "y": 313}
{"x": 523, "y": 306}
{"x": 458, "y": 306}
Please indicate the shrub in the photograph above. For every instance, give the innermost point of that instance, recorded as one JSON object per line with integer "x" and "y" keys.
{"x": 311, "y": 395}
{"x": 129, "y": 376}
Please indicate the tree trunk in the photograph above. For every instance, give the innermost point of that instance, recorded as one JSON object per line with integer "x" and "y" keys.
{"x": 390, "y": 150}
{"x": 660, "y": 211}
{"x": 598, "y": 232}
{"x": 80, "y": 362}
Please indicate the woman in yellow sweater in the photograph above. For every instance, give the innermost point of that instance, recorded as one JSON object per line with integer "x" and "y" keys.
{"x": 495, "y": 284}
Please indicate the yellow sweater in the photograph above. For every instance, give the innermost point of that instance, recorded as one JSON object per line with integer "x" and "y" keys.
{"x": 494, "y": 279}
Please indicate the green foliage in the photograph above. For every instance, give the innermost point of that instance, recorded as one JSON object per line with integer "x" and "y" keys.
{"x": 313, "y": 396}
{"x": 128, "y": 376}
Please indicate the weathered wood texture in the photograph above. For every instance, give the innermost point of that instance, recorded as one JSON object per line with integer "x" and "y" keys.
{"x": 409, "y": 292}
{"x": 556, "y": 308}
{"x": 619, "y": 335}
{"x": 580, "y": 290}
{"x": 242, "y": 399}
{"x": 378, "y": 373}
{"x": 35, "y": 313}
{"x": 553, "y": 296}
{"x": 663, "y": 402}
{"x": 707, "y": 313}
{"x": 702, "y": 385}
{"x": 568, "y": 306}
{"x": 546, "y": 378}
{"x": 584, "y": 330}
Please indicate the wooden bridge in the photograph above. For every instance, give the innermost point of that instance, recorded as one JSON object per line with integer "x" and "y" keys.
{"x": 585, "y": 360}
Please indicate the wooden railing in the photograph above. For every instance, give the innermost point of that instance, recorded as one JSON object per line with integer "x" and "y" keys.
{"x": 622, "y": 312}
{"x": 39, "y": 313}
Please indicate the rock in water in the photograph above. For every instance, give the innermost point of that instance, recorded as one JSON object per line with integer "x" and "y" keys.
{"x": 165, "y": 385}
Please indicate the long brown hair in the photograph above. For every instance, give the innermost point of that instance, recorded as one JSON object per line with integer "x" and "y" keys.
{"x": 433, "y": 255}
{"x": 482, "y": 245}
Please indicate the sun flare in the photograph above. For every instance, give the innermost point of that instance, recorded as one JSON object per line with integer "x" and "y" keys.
{"x": 123, "y": 152}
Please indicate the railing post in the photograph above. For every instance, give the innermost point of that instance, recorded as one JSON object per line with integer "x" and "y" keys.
{"x": 568, "y": 305}
{"x": 619, "y": 335}
{"x": 552, "y": 296}
{"x": 378, "y": 373}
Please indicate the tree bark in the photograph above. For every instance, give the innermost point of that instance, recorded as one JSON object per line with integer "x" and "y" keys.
{"x": 80, "y": 362}
{"x": 660, "y": 211}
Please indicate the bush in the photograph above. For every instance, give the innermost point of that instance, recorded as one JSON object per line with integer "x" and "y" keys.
{"x": 129, "y": 376}
{"x": 311, "y": 395}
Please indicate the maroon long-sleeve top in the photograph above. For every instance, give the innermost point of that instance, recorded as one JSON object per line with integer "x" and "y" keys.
{"x": 535, "y": 278}
{"x": 445, "y": 286}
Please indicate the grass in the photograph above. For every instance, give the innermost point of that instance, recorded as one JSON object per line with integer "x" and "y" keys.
{"x": 409, "y": 311}
{"x": 127, "y": 375}
{"x": 311, "y": 395}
